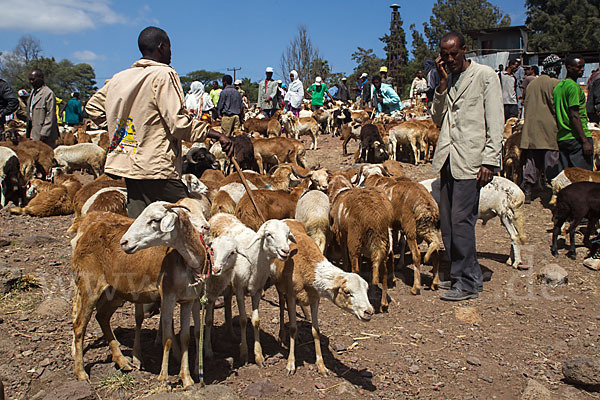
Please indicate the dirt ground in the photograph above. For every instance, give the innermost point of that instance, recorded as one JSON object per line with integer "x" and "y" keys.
{"x": 423, "y": 348}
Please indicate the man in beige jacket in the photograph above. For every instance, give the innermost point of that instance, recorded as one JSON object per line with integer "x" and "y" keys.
{"x": 145, "y": 110}
{"x": 467, "y": 105}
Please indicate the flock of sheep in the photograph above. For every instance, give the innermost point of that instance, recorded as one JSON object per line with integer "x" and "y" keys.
{"x": 369, "y": 211}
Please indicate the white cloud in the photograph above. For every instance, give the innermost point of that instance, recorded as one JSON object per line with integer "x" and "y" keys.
{"x": 87, "y": 56}
{"x": 57, "y": 16}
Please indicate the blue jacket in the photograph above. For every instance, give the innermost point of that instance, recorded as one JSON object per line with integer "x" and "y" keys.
{"x": 73, "y": 112}
{"x": 391, "y": 100}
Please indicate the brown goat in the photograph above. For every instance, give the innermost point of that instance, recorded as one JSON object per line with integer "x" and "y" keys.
{"x": 416, "y": 214}
{"x": 269, "y": 152}
{"x": 87, "y": 191}
{"x": 274, "y": 204}
{"x": 268, "y": 127}
{"x": 361, "y": 222}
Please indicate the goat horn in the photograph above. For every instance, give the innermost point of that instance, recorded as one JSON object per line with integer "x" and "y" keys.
{"x": 300, "y": 175}
{"x": 385, "y": 171}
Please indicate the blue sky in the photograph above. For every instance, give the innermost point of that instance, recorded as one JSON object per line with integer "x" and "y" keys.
{"x": 209, "y": 35}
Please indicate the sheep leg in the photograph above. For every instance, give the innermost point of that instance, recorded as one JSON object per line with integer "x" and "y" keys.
{"x": 137, "y": 345}
{"x": 239, "y": 296}
{"x": 555, "y": 232}
{"x": 415, "y": 151}
{"x": 315, "y": 135}
{"x": 416, "y": 256}
{"x": 166, "y": 312}
{"x": 83, "y": 306}
{"x": 590, "y": 227}
{"x": 346, "y": 140}
{"x": 385, "y": 265}
{"x": 227, "y": 297}
{"x": 291, "y": 305}
{"x": 314, "y": 316}
{"x": 514, "y": 238}
{"x": 184, "y": 338}
{"x": 210, "y": 311}
{"x": 104, "y": 311}
{"x": 259, "y": 161}
{"x": 258, "y": 355}
{"x": 281, "y": 338}
{"x": 572, "y": 228}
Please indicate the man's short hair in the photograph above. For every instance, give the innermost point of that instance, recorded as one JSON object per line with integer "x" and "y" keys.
{"x": 227, "y": 79}
{"x": 451, "y": 35}
{"x": 512, "y": 62}
{"x": 38, "y": 72}
{"x": 535, "y": 69}
{"x": 150, "y": 38}
{"x": 376, "y": 78}
{"x": 572, "y": 59}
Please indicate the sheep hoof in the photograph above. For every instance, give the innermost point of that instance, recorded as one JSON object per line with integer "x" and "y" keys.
{"x": 136, "y": 363}
{"x": 82, "y": 375}
{"x": 291, "y": 368}
{"x": 572, "y": 255}
{"x": 322, "y": 369}
{"x": 187, "y": 382}
{"x": 383, "y": 308}
{"x": 554, "y": 253}
{"x": 415, "y": 291}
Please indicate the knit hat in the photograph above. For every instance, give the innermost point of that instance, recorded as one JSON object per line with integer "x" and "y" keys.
{"x": 552, "y": 65}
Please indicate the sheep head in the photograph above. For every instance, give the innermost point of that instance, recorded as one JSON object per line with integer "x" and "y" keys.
{"x": 350, "y": 294}
{"x": 155, "y": 226}
{"x": 194, "y": 185}
{"x": 225, "y": 253}
{"x": 276, "y": 238}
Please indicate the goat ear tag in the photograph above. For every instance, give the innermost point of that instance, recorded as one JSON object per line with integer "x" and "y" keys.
{"x": 167, "y": 224}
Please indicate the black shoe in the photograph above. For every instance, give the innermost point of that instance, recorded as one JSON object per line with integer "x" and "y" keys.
{"x": 447, "y": 285}
{"x": 457, "y": 295}
{"x": 527, "y": 196}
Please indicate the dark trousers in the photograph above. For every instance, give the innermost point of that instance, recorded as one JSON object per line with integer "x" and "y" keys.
{"x": 142, "y": 192}
{"x": 537, "y": 160}
{"x": 459, "y": 206}
{"x": 571, "y": 154}
{"x": 510, "y": 110}
{"x": 269, "y": 113}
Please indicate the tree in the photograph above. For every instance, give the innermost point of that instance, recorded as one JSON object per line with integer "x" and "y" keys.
{"x": 563, "y": 25}
{"x": 395, "y": 49}
{"x": 320, "y": 67}
{"x": 251, "y": 89}
{"x": 28, "y": 48}
{"x": 300, "y": 55}
{"x": 200, "y": 75}
{"x": 366, "y": 62}
{"x": 460, "y": 16}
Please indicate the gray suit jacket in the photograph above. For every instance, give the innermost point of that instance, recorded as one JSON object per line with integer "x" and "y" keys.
{"x": 271, "y": 92}
{"x": 42, "y": 116}
{"x": 471, "y": 117}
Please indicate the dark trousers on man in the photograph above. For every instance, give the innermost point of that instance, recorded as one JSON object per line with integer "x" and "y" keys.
{"x": 459, "y": 207}
{"x": 510, "y": 111}
{"x": 571, "y": 154}
{"x": 268, "y": 113}
{"x": 537, "y": 160}
{"x": 142, "y": 192}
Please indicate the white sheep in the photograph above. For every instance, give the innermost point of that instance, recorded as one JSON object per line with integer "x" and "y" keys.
{"x": 503, "y": 198}
{"x": 81, "y": 156}
{"x": 160, "y": 226}
{"x": 312, "y": 210}
{"x": 251, "y": 271}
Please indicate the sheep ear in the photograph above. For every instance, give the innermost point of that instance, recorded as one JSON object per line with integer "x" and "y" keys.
{"x": 167, "y": 223}
{"x": 292, "y": 238}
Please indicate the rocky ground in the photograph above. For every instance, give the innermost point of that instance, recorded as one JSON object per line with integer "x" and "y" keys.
{"x": 510, "y": 343}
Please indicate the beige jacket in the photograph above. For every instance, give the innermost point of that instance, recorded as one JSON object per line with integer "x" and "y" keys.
{"x": 41, "y": 107}
{"x": 145, "y": 110}
{"x": 471, "y": 117}
{"x": 540, "y": 129}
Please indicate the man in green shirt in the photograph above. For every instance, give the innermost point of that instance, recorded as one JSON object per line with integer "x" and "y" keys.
{"x": 317, "y": 90}
{"x": 575, "y": 143}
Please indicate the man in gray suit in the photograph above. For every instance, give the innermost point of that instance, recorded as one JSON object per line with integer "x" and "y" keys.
{"x": 41, "y": 106}
{"x": 467, "y": 105}
{"x": 267, "y": 94}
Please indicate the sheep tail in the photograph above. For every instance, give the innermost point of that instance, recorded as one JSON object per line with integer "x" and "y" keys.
{"x": 434, "y": 245}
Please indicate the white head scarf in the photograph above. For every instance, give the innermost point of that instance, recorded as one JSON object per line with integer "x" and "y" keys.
{"x": 295, "y": 93}
{"x": 197, "y": 98}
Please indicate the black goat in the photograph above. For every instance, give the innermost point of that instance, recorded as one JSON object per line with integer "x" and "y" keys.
{"x": 198, "y": 160}
{"x": 577, "y": 201}
{"x": 372, "y": 149}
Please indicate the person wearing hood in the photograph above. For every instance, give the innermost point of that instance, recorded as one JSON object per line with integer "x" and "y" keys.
{"x": 384, "y": 96}
{"x": 317, "y": 91}
{"x": 145, "y": 110}
{"x": 295, "y": 94}
{"x": 198, "y": 102}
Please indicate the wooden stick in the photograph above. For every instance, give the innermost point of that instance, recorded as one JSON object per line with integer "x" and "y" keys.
{"x": 245, "y": 183}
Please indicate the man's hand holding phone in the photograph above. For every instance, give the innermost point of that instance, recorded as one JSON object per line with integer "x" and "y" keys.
{"x": 441, "y": 69}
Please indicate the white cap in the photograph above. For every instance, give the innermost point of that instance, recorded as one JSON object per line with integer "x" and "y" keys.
{"x": 279, "y": 81}
{"x": 344, "y": 78}
{"x": 269, "y": 69}
{"x": 318, "y": 79}
{"x": 237, "y": 82}
{"x": 364, "y": 75}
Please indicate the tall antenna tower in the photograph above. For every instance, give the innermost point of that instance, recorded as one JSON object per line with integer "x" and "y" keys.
{"x": 394, "y": 54}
